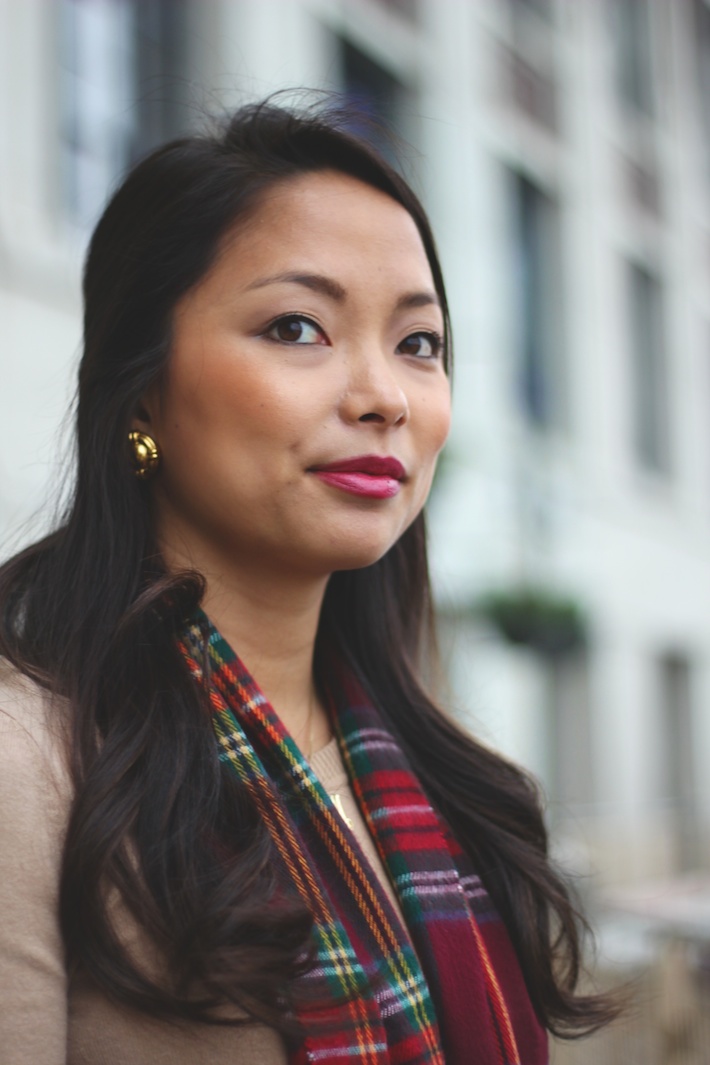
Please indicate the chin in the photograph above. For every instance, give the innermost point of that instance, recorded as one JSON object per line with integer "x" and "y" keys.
{"x": 358, "y": 555}
{"x": 349, "y": 546}
{"x": 358, "y": 561}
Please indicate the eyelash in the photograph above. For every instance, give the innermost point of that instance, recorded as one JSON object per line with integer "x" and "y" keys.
{"x": 435, "y": 339}
{"x": 436, "y": 342}
{"x": 290, "y": 318}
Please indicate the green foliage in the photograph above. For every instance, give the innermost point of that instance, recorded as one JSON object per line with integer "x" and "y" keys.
{"x": 535, "y": 618}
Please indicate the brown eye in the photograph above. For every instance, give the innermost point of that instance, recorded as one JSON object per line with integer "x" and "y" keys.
{"x": 421, "y": 345}
{"x": 295, "y": 329}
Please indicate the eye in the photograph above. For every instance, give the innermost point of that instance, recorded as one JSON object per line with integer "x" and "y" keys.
{"x": 295, "y": 329}
{"x": 422, "y": 345}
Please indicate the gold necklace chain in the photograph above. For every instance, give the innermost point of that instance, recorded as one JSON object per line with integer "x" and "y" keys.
{"x": 334, "y": 796}
{"x": 310, "y": 728}
{"x": 306, "y": 733}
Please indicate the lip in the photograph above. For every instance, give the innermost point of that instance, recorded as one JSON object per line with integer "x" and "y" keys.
{"x": 373, "y": 465}
{"x": 372, "y": 476}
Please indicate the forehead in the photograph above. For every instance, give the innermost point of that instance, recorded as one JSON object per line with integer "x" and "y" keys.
{"x": 333, "y": 223}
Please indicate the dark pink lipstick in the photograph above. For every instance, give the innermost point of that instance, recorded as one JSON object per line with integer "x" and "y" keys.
{"x": 376, "y": 476}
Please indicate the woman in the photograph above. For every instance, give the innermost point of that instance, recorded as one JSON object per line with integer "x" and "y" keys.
{"x": 316, "y": 865}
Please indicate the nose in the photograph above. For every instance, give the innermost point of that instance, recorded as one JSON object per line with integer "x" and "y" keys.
{"x": 374, "y": 392}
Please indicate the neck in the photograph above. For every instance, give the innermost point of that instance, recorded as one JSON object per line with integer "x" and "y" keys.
{"x": 273, "y": 630}
{"x": 270, "y": 620}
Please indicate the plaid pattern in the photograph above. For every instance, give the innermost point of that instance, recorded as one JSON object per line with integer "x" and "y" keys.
{"x": 445, "y": 990}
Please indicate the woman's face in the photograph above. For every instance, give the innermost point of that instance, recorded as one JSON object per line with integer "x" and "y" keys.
{"x": 305, "y": 399}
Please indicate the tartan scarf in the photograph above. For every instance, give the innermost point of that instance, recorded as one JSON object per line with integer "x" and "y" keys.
{"x": 447, "y": 990}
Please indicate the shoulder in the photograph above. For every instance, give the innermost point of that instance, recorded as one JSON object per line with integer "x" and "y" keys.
{"x": 19, "y": 697}
{"x": 26, "y": 705}
{"x": 35, "y": 799}
{"x": 32, "y": 744}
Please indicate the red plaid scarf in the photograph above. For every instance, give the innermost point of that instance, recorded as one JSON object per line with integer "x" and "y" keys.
{"x": 448, "y": 989}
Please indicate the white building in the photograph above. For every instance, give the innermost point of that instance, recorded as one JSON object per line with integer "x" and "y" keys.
{"x": 563, "y": 150}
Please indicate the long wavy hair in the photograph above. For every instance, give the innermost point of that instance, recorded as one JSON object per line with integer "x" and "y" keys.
{"x": 90, "y": 613}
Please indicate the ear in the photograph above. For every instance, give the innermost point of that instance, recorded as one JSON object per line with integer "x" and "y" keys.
{"x": 146, "y": 416}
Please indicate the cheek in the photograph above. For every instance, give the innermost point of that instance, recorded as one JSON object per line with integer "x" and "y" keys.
{"x": 443, "y": 427}
{"x": 223, "y": 402}
{"x": 434, "y": 418}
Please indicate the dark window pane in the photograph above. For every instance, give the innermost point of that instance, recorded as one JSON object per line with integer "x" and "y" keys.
{"x": 374, "y": 95}
{"x": 537, "y": 302}
{"x": 702, "y": 63}
{"x": 96, "y": 90}
{"x": 122, "y": 78}
{"x": 540, "y": 7}
{"x": 649, "y": 371}
{"x": 677, "y": 788}
{"x": 160, "y": 63}
{"x": 409, "y": 9}
{"x": 631, "y": 32}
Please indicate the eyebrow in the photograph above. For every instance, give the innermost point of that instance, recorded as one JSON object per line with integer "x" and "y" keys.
{"x": 327, "y": 286}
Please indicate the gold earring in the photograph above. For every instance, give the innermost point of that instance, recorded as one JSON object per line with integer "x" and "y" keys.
{"x": 145, "y": 456}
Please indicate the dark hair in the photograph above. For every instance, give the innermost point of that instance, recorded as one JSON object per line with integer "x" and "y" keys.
{"x": 90, "y": 613}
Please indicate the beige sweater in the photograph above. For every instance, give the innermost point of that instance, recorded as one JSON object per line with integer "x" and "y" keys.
{"x": 43, "y": 1021}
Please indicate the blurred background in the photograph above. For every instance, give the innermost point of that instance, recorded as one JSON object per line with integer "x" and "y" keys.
{"x": 562, "y": 148}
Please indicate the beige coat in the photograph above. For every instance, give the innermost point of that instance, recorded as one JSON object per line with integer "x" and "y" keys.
{"x": 43, "y": 1021}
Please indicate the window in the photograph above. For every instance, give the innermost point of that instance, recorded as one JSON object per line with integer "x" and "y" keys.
{"x": 676, "y": 770}
{"x": 569, "y": 734}
{"x": 540, "y": 7}
{"x": 117, "y": 99}
{"x": 95, "y": 91}
{"x": 160, "y": 44}
{"x": 530, "y": 65}
{"x": 375, "y": 96}
{"x": 538, "y": 303}
{"x": 648, "y": 379}
{"x": 631, "y": 34}
{"x": 532, "y": 90}
{"x": 702, "y": 44}
{"x": 407, "y": 8}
